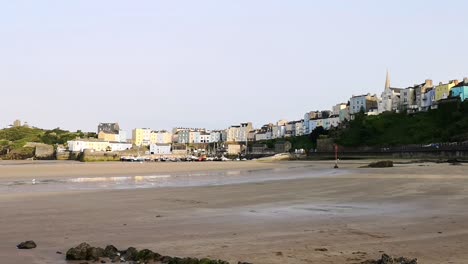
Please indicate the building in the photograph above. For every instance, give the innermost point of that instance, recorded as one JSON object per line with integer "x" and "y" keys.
{"x": 337, "y": 108}
{"x": 109, "y": 127}
{"x": 108, "y": 136}
{"x": 407, "y": 99}
{"x": 344, "y": 114}
{"x": 461, "y": 90}
{"x": 204, "y": 137}
{"x": 141, "y": 136}
{"x": 252, "y": 134}
{"x": 160, "y": 149}
{"x": 278, "y": 130}
{"x": 419, "y": 91}
{"x": 215, "y": 136}
{"x": 290, "y": 129}
{"x": 238, "y": 133}
{"x": 331, "y": 122}
{"x": 428, "y": 99}
{"x": 442, "y": 90}
{"x": 390, "y": 98}
{"x": 160, "y": 137}
{"x": 363, "y": 103}
{"x": 120, "y": 146}
{"x": 234, "y": 149}
{"x": 80, "y": 145}
{"x": 299, "y": 128}
{"x": 17, "y": 123}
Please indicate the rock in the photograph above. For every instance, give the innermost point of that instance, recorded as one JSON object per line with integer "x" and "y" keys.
{"x": 110, "y": 251}
{"x": 26, "y": 245}
{"x": 386, "y": 259}
{"x": 94, "y": 253}
{"x": 147, "y": 255}
{"x": 381, "y": 164}
{"x": 79, "y": 252}
{"x": 116, "y": 258}
{"x": 59, "y": 252}
{"x": 321, "y": 249}
{"x": 165, "y": 259}
{"x": 129, "y": 254}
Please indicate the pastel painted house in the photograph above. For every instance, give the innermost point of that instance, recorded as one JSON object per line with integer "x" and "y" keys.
{"x": 428, "y": 99}
{"x": 461, "y": 90}
{"x": 442, "y": 90}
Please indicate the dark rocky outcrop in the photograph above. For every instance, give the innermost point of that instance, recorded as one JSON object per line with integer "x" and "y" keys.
{"x": 79, "y": 252}
{"x": 386, "y": 259}
{"x": 111, "y": 252}
{"x": 381, "y": 164}
{"x": 26, "y": 245}
{"x": 130, "y": 253}
{"x": 147, "y": 255}
{"x": 86, "y": 252}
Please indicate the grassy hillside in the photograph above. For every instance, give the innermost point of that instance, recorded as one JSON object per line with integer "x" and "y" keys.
{"x": 13, "y": 139}
{"x": 449, "y": 123}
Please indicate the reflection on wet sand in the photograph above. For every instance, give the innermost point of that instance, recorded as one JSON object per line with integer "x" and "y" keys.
{"x": 163, "y": 180}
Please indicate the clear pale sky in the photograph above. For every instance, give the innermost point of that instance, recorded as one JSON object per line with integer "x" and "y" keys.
{"x": 160, "y": 64}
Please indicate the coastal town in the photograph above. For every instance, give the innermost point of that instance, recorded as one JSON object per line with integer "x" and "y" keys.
{"x": 234, "y": 139}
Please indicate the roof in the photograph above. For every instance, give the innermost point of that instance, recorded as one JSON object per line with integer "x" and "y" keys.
{"x": 396, "y": 89}
{"x": 461, "y": 84}
{"x": 161, "y": 144}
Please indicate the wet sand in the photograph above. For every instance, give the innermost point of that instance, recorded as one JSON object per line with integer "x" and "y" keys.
{"x": 414, "y": 210}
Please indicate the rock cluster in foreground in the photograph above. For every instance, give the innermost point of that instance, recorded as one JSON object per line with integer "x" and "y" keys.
{"x": 26, "y": 245}
{"x": 86, "y": 252}
{"x": 381, "y": 164}
{"x": 386, "y": 259}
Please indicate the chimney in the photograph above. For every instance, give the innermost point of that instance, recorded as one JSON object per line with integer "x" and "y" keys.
{"x": 429, "y": 83}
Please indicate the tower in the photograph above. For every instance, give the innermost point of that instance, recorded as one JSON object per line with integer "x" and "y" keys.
{"x": 387, "y": 81}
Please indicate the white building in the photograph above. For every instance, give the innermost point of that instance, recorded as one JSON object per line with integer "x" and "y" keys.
{"x": 330, "y": 122}
{"x": 97, "y": 145}
{"x": 239, "y": 133}
{"x": 160, "y": 149}
{"x": 299, "y": 128}
{"x": 215, "y": 136}
{"x": 120, "y": 146}
{"x": 390, "y": 98}
{"x": 279, "y": 130}
{"x": 205, "y": 137}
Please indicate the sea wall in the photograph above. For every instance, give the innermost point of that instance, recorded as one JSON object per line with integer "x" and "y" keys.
{"x": 433, "y": 154}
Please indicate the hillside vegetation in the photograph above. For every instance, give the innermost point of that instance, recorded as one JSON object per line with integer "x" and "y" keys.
{"x": 12, "y": 140}
{"x": 449, "y": 123}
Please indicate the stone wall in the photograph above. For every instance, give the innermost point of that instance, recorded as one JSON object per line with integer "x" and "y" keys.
{"x": 41, "y": 150}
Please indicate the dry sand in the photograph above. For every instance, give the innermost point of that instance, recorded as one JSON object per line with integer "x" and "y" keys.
{"x": 414, "y": 210}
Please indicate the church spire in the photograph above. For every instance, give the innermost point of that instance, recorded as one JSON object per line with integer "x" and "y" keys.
{"x": 387, "y": 81}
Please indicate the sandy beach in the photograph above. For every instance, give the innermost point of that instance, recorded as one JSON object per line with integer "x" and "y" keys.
{"x": 278, "y": 213}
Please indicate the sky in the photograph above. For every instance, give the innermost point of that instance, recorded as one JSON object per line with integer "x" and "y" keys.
{"x": 162, "y": 64}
